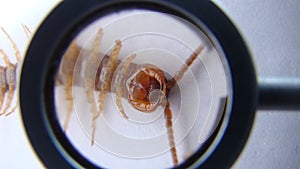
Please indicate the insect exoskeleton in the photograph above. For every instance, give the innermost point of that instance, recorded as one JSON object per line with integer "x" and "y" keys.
{"x": 146, "y": 89}
{"x": 3, "y": 85}
{"x": 145, "y": 86}
{"x": 8, "y": 77}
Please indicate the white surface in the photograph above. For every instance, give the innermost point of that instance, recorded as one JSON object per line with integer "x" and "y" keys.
{"x": 271, "y": 29}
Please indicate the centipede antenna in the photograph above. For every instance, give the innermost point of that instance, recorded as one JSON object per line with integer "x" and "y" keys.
{"x": 169, "y": 125}
{"x": 179, "y": 74}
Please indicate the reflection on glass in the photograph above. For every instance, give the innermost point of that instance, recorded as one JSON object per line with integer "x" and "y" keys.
{"x": 140, "y": 87}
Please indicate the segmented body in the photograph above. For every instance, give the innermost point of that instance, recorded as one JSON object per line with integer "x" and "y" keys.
{"x": 8, "y": 80}
{"x": 144, "y": 86}
{"x": 3, "y": 85}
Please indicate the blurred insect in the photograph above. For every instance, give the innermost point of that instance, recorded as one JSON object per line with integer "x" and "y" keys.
{"x": 145, "y": 86}
{"x": 8, "y": 80}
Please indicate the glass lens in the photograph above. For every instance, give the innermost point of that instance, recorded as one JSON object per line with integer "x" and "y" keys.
{"x": 141, "y": 89}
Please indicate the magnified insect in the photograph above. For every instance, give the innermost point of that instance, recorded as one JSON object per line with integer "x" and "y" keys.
{"x": 135, "y": 90}
{"x": 147, "y": 86}
{"x": 8, "y": 80}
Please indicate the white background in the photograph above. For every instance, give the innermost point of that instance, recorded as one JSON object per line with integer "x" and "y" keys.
{"x": 270, "y": 27}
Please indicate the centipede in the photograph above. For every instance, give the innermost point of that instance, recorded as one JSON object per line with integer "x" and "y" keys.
{"x": 8, "y": 75}
{"x": 145, "y": 86}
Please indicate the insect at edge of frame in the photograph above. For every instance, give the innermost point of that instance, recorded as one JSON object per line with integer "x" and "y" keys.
{"x": 141, "y": 82}
{"x": 8, "y": 75}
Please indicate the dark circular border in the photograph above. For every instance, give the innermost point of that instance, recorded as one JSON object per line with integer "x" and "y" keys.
{"x": 68, "y": 18}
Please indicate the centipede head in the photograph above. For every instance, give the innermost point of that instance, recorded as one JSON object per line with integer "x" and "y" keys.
{"x": 146, "y": 88}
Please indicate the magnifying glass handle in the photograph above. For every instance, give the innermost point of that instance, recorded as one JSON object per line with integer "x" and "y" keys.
{"x": 279, "y": 94}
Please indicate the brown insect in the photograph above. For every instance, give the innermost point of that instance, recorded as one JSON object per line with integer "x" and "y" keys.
{"x": 145, "y": 86}
{"x": 8, "y": 80}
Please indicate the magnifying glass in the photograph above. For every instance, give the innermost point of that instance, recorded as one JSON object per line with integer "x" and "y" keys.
{"x": 147, "y": 84}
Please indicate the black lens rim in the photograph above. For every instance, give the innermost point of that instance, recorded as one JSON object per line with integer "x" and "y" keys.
{"x": 54, "y": 35}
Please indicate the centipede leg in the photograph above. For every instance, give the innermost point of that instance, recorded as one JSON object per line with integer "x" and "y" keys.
{"x": 26, "y": 30}
{"x": 119, "y": 84}
{"x": 91, "y": 64}
{"x": 10, "y": 94}
{"x": 105, "y": 83}
{"x": 69, "y": 99}
{"x": 17, "y": 52}
{"x": 67, "y": 70}
{"x": 169, "y": 125}
{"x": 10, "y": 75}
